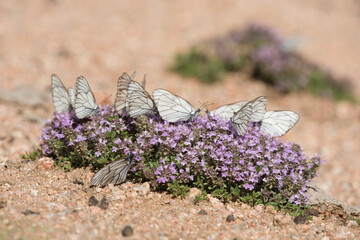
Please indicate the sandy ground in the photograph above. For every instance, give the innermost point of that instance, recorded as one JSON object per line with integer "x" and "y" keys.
{"x": 101, "y": 40}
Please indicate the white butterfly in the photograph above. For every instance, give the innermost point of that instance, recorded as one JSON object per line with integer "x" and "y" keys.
{"x": 277, "y": 123}
{"x": 72, "y": 93}
{"x": 240, "y": 120}
{"x": 227, "y": 111}
{"x": 258, "y": 108}
{"x": 114, "y": 173}
{"x": 85, "y": 104}
{"x": 61, "y": 97}
{"x": 173, "y": 108}
{"x": 122, "y": 95}
{"x": 121, "y": 104}
{"x": 139, "y": 101}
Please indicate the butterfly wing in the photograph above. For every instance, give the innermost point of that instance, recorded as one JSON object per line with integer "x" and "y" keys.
{"x": 277, "y": 123}
{"x": 122, "y": 92}
{"x": 227, "y": 111}
{"x": 114, "y": 173}
{"x": 258, "y": 109}
{"x": 173, "y": 108}
{"x": 240, "y": 120}
{"x": 85, "y": 104}
{"x": 139, "y": 100}
{"x": 72, "y": 93}
{"x": 60, "y": 95}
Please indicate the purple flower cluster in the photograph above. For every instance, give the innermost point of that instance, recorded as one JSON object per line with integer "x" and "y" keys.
{"x": 184, "y": 152}
{"x": 268, "y": 57}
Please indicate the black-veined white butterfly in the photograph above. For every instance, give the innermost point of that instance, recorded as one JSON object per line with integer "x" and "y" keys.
{"x": 277, "y": 123}
{"x": 139, "y": 101}
{"x": 121, "y": 104}
{"x": 114, "y": 173}
{"x": 62, "y": 98}
{"x": 173, "y": 108}
{"x": 258, "y": 108}
{"x": 227, "y": 111}
{"x": 240, "y": 120}
{"x": 122, "y": 95}
{"x": 72, "y": 93}
{"x": 85, "y": 104}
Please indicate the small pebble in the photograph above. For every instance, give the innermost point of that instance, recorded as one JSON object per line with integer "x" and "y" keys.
{"x": 352, "y": 223}
{"x": 230, "y": 218}
{"x": 104, "y": 204}
{"x": 311, "y": 212}
{"x": 127, "y": 231}
{"x": 30, "y": 212}
{"x": 3, "y": 199}
{"x": 34, "y": 193}
{"x": 202, "y": 212}
{"x": 300, "y": 219}
{"x": 93, "y": 201}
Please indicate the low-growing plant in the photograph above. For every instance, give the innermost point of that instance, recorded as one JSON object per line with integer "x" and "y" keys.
{"x": 197, "y": 64}
{"x": 264, "y": 55}
{"x": 205, "y": 153}
{"x": 33, "y": 155}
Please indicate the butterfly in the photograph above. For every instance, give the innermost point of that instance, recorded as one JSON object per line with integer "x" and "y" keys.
{"x": 173, "y": 108}
{"x": 240, "y": 120}
{"x": 139, "y": 101}
{"x": 85, "y": 105}
{"x": 227, "y": 111}
{"x": 122, "y": 92}
{"x": 114, "y": 173}
{"x": 277, "y": 123}
{"x": 72, "y": 93}
{"x": 62, "y": 98}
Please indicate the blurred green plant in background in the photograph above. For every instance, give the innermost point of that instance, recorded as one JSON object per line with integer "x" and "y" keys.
{"x": 263, "y": 55}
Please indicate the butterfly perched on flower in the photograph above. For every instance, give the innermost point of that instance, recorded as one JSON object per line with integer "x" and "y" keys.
{"x": 132, "y": 98}
{"x": 173, "y": 108}
{"x": 240, "y": 120}
{"x": 85, "y": 104}
{"x": 114, "y": 173}
{"x": 277, "y": 123}
{"x": 63, "y": 100}
{"x": 258, "y": 104}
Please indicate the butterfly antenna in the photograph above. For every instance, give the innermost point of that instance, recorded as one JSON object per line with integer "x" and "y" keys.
{"x": 132, "y": 77}
{"x": 204, "y": 105}
{"x": 105, "y": 100}
{"x": 144, "y": 82}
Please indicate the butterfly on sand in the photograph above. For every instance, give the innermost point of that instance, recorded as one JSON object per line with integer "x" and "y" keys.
{"x": 114, "y": 173}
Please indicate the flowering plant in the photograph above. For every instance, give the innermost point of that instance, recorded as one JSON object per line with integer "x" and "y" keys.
{"x": 205, "y": 153}
{"x": 264, "y": 55}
